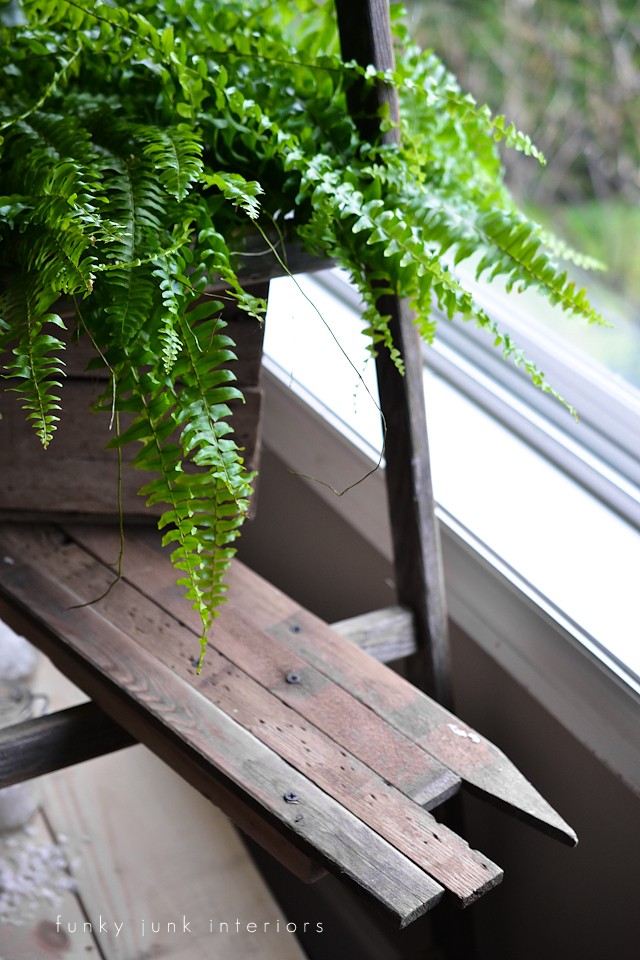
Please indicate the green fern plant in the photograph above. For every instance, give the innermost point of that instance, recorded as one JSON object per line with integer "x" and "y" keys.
{"x": 141, "y": 140}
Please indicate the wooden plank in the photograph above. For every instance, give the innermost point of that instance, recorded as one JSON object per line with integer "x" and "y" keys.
{"x": 437, "y": 850}
{"x": 392, "y": 815}
{"x": 245, "y": 817}
{"x": 483, "y": 768}
{"x": 353, "y": 725}
{"x": 387, "y": 634}
{"x": 140, "y": 859}
{"x": 411, "y": 829}
{"x": 175, "y": 720}
{"x": 43, "y": 744}
{"x": 481, "y": 765}
{"x": 365, "y": 36}
{"x": 246, "y": 332}
{"x": 342, "y": 776}
{"x": 76, "y": 475}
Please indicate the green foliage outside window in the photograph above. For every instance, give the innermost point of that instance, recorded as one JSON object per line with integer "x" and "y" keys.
{"x": 569, "y": 73}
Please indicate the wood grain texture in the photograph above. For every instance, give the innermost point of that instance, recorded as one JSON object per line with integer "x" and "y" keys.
{"x": 445, "y": 856}
{"x": 289, "y": 717}
{"x": 246, "y": 332}
{"x": 76, "y": 475}
{"x": 483, "y": 768}
{"x": 481, "y": 765}
{"x": 43, "y": 744}
{"x": 301, "y": 864}
{"x": 387, "y": 634}
{"x": 178, "y": 722}
{"x": 352, "y": 724}
{"x": 139, "y": 859}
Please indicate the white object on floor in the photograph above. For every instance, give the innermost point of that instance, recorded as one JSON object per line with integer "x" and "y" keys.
{"x": 18, "y": 658}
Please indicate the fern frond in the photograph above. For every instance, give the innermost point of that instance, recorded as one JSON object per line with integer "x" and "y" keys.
{"x": 35, "y": 353}
{"x": 564, "y": 251}
{"x": 423, "y": 79}
{"x": 523, "y": 259}
{"x": 241, "y": 192}
{"x": 173, "y": 300}
{"x": 176, "y": 154}
{"x": 205, "y": 509}
{"x": 126, "y": 289}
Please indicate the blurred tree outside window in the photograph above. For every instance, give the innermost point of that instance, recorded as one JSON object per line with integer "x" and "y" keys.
{"x": 567, "y": 72}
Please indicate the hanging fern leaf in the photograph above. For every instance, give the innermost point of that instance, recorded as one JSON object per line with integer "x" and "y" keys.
{"x": 205, "y": 509}
{"x": 172, "y": 292}
{"x": 35, "y": 362}
{"x": 176, "y": 154}
{"x": 242, "y": 193}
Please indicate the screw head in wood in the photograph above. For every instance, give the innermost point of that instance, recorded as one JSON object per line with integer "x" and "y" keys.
{"x": 293, "y": 677}
{"x": 292, "y": 797}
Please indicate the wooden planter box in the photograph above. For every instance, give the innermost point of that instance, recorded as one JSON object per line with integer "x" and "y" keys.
{"x": 76, "y": 476}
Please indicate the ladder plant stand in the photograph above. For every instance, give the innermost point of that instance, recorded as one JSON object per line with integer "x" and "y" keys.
{"x": 324, "y": 755}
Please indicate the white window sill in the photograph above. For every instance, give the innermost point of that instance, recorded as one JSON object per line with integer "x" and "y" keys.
{"x": 538, "y": 571}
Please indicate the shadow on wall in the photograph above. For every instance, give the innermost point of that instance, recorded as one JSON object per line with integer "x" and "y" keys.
{"x": 297, "y": 542}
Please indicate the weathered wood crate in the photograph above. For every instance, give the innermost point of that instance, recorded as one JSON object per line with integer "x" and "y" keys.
{"x": 76, "y": 475}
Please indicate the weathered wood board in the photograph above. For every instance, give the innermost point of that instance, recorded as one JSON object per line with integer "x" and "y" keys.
{"x": 387, "y": 634}
{"x": 206, "y": 745}
{"x": 312, "y": 746}
{"x": 483, "y": 768}
{"x": 144, "y": 860}
{"x": 39, "y": 746}
{"x": 76, "y": 475}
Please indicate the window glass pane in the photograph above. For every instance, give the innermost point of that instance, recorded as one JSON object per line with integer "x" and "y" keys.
{"x": 568, "y": 73}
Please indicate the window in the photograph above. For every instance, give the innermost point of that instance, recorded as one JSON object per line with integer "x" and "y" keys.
{"x": 538, "y": 570}
{"x": 559, "y": 536}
